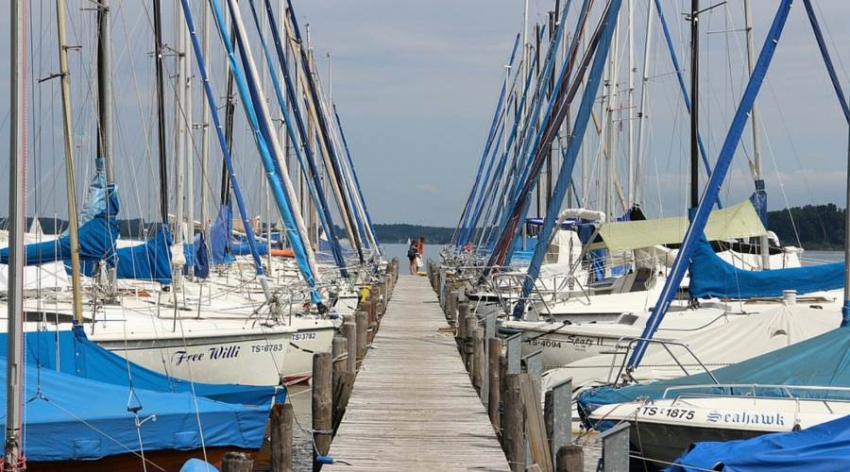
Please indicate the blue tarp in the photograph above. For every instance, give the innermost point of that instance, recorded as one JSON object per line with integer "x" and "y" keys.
{"x": 220, "y": 237}
{"x": 823, "y": 448}
{"x": 711, "y": 276}
{"x": 68, "y": 417}
{"x": 823, "y": 360}
{"x": 148, "y": 261}
{"x": 72, "y": 353}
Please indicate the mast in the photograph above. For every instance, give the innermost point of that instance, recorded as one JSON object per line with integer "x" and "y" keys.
{"x": 631, "y": 101}
{"x": 71, "y": 190}
{"x": 14, "y": 458}
{"x": 642, "y": 112}
{"x": 757, "y": 175}
{"x": 188, "y": 123}
{"x": 178, "y": 260}
{"x": 160, "y": 111}
{"x": 205, "y": 125}
{"x": 104, "y": 92}
{"x": 694, "y": 103}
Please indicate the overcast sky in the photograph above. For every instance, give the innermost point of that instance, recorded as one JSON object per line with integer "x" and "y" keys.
{"x": 416, "y": 84}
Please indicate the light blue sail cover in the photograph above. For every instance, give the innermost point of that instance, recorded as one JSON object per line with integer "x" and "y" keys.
{"x": 71, "y": 352}
{"x": 97, "y": 234}
{"x": 67, "y": 417}
{"x": 823, "y": 360}
{"x": 711, "y": 276}
{"x": 825, "y": 447}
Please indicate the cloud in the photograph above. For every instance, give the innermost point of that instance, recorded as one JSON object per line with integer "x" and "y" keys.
{"x": 428, "y": 189}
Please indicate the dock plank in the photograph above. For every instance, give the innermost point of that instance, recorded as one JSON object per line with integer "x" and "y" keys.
{"x": 413, "y": 406}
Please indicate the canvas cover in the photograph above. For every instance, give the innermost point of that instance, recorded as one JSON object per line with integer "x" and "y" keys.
{"x": 823, "y": 448}
{"x": 68, "y": 417}
{"x": 822, "y": 360}
{"x": 738, "y": 221}
{"x": 711, "y": 276}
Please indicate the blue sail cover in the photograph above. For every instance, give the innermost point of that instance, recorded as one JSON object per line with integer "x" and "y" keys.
{"x": 711, "y": 276}
{"x": 97, "y": 234}
{"x": 220, "y": 237}
{"x": 72, "y": 353}
{"x": 244, "y": 249}
{"x": 70, "y": 418}
{"x": 148, "y": 261}
{"x": 823, "y": 360}
{"x": 825, "y": 447}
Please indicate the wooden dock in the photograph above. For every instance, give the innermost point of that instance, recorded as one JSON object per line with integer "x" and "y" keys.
{"x": 413, "y": 406}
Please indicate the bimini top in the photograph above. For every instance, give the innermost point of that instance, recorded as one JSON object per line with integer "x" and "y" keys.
{"x": 819, "y": 361}
{"x": 738, "y": 221}
{"x": 70, "y": 418}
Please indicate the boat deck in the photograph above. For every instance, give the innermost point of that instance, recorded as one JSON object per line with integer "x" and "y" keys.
{"x": 413, "y": 406}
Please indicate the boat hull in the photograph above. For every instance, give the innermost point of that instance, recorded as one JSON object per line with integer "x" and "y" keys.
{"x": 252, "y": 357}
{"x": 168, "y": 461}
{"x": 312, "y": 336}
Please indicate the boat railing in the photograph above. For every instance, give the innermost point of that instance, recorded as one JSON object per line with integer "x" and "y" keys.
{"x": 516, "y": 281}
{"x": 750, "y": 391}
{"x": 625, "y": 345}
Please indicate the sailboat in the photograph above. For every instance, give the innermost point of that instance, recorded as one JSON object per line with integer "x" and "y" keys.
{"x": 71, "y": 423}
{"x": 789, "y": 389}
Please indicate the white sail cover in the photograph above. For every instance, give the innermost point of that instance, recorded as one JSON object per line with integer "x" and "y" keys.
{"x": 715, "y": 348}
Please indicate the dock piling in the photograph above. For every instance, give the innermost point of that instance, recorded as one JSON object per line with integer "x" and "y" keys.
{"x": 322, "y": 406}
{"x": 281, "y": 437}
{"x": 495, "y": 382}
{"x": 513, "y": 435}
{"x": 236, "y": 462}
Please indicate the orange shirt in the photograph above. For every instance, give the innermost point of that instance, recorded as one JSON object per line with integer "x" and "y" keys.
{"x": 421, "y": 246}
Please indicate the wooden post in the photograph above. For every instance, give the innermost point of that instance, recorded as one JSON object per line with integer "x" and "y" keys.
{"x": 615, "y": 448}
{"x": 459, "y": 320}
{"x": 339, "y": 348}
{"x": 478, "y": 358}
{"x": 322, "y": 406}
{"x": 368, "y": 308}
{"x": 281, "y": 425}
{"x": 535, "y": 426}
{"x": 570, "y": 459}
{"x": 469, "y": 344}
{"x": 451, "y": 304}
{"x": 362, "y": 325}
{"x": 349, "y": 328}
{"x": 236, "y": 462}
{"x": 495, "y": 382}
{"x": 558, "y": 415}
{"x": 512, "y": 435}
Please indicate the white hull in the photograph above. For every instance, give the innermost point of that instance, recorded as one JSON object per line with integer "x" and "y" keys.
{"x": 251, "y": 356}
{"x": 663, "y": 429}
{"x": 311, "y": 336}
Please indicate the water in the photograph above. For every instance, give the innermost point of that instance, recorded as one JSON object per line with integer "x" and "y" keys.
{"x": 302, "y": 441}
{"x": 820, "y": 257}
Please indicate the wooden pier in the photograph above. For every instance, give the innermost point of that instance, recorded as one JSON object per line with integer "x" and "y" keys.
{"x": 413, "y": 407}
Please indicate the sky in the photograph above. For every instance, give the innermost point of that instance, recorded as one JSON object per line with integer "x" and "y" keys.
{"x": 416, "y": 85}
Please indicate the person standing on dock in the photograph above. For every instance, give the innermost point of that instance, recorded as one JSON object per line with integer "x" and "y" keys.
{"x": 421, "y": 249}
{"x": 413, "y": 256}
